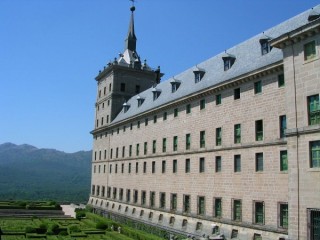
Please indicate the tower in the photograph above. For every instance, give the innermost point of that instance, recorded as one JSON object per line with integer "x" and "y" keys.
{"x": 121, "y": 79}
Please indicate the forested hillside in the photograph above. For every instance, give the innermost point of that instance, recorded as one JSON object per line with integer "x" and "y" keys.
{"x": 27, "y": 172}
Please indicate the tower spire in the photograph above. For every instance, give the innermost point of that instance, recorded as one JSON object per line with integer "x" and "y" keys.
{"x": 131, "y": 40}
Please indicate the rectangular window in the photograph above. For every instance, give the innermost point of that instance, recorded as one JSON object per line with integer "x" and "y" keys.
{"x": 202, "y": 104}
{"x": 153, "y": 167}
{"x": 315, "y": 154}
{"x": 130, "y": 150}
{"x": 165, "y": 116}
{"x": 314, "y": 110}
{"x": 122, "y": 87}
{"x": 109, "y": 192}
{"x": 152, "y": 199}
{"x": 137, "y": 88}
{"x": 173, "y": 202}
{"x": 128, "y": 195}
{"x": 217, "y": 207}
{"x": 145, "y": 148}
{"x": 218, "y": 164}
{"x": 259, "y": 162}
{"x": 114, "y": 193}
{"x": 258, "y": 212}
{"x": 110, "y": 168}
{"x": 163, "y": 166}
{"x": 129, "y": 168}
{"x": 164, "y": 145}
{"x": 116, "y": 168}
{"x": 122, "y": 168}
{"x": 117, "y": 152}
{"x": 162, "y": 200}
{"x": 121, "y": 194}
{"x": 257, "y": 87}
{"x": 281, "y": 82}
{"x": 188, "y": 141}
{"x": 111, "y": 153}
{"x": 154, "y": 146}
{"x": 237, "y": 163}
{"x": 283, "y": 215}
{"x": 144, "y": 167}
{"x": 259, "y": 130}
{"x": 174, "y": 166}
{"x": 236, "y": 93}
{"x": 310, "y": 50}
{"x": 202, "y": 139}
{"x": 188, "y": 108}
{"x": 123, "y": 151}
{"x": 237, "y": 210}
{"x": 201, "y": 205}
{"x": 201, "y": 165}
{"x": 283, "y": 160}
{"x": 155, "y": 119}
{"x": 186, "y": 203}
{"x": 135, "y": 196}
{"x": 187, "y": 165}
{"x": 137, "y": 167}
{"x": 138, "y": 124}
{"x": 218, "y": 136}
{"x": 131, "y": 126}
{"x": 313, "y": 224}
{"x": 283, "y": 125}
{"x": 237, "y": 133}
{"x": 146, "y": 121}
{"x": 175, "y": 143}
{"x": 143, "y": 197}
{"x": 218, "y": 99}
{"x": 175, "y": 112}
{"x": 137, "y": 149}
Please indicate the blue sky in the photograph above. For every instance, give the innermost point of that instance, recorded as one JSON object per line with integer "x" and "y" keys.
{"x": 51, "y": 51}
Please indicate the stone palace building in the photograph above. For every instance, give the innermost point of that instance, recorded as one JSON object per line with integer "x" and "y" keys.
{"x": 228, "y": 147}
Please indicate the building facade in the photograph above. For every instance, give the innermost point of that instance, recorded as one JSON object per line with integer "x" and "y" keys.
{"x": 229, "y": 147}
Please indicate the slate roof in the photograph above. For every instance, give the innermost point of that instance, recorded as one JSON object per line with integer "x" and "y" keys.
{"x": 248, "y": 58}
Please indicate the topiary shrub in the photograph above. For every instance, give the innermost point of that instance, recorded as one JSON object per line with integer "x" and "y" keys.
{"x": 54, "y": 228}
{"x": 74, "y": 229}
{"x": 101, "y": 226}
{"x": 30, "y": 230}
{"x": 42, "y": 228}
{"x": 63, "y": 233}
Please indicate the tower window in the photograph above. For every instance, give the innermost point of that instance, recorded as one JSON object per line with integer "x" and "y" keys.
{"x": 156, "y": 93}
{"x": 198, "y": 75}
{"x": 228, "y": 61}
{"x": 122, "y": 87}
{"x": 175, "y": 84}
{"x": 265, "y": 46}
{"x": 137, "y": 88}
{"x": 310, "y": 50}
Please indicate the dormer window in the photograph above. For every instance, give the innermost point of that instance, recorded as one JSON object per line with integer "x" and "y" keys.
{"x": 140, "y": 101}
{"x": 175, "y": 84}
{"x": 228, "y": 61}
{"x": 126, "y": 107}
{"x": 198, "y": 75}
{"x": 265, "y": 46}
{"x": 156, "y": 93}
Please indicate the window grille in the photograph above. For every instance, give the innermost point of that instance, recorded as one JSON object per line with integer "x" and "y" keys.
{"x": 313, "y": 224}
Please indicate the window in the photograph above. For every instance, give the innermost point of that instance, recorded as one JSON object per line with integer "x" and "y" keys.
{"x": 218, "y": 136}
{"x": 122, "y": 167}
{"x": 160, "y": 218}
{"x": 153, "y": 168}
{"x": 217, "y": 207}
{"x": 103, "y": 191}
{"x": 145, "y": 148}
{"x": 237, "y": 133}
{"x": 162, "y": 200}
{"x": 109, "y": 87}
{"x": 130, "y": 150}
{"x": 283, "y": 215}
{"x": 165, "y": 116}
{"x": 154, "y": 146}
{"x": 202, "y": 104}
{"x": 156, "y": 94}
{"x": 171, "y": 221}
{"x": 93, "y": 189}
{"x": 257, "y": 236}
{"x": 110, "y": 168}
{"x": 187, "y": 165}
{"x": 188, "y": 108}
{"x": 175, "y": 112}
{"x": 283, "y": 125}
{"x": 218, "y": 164}
{"x": 137, "y": 88}
{"x": 137, "y": 167}
{"x": 116, "y": 168}
{"x": 314, "y": 110}
{"x": 259, "y": 130}
{"x": 188, "y": 141}
{"x": 237, "y": 210}
{"x": 236, "y": 93}
{"x": 144, "y": 167}
{"x": 138, "y": 124}
{"x": 281, "y": 81}
{"x": 137, "y": 149}
{"x": 173, "y": 202}
{"x": 313, "y": 224}
{"x": 114, "y": 193}
{"x": 199, "y": 226}
{"x": 201, "y": 205}
{"x": 140, "y": 101}
{"x": 129, "y": 168}
{"x": 201, "y": 165}
{"x": 265, "y": 46}
{"x": 175, "y": 143}
{"x": 202, "y": 139}
{"x": 186, "y": 203}
{"x": 143, "y": 197}
{"x": 155, "y": 119}
{"x": 128, "y": 195}
{"x": 164, "y": 145}
{"x": 150, "y": 215}
{"x": 131, "y": 126}
{"x": 121, "y": 194}
{"x": 218, "y": 99}
{"x": 111, "y": 151}
{"x": 184, "y": 223}
{"x": 283, "y": 160}
{"x": 117, "y": 152}
{"x": 259, "y": 162}
{"x": 163, "y": 166}
{"x": 146, "y": 121}
{"x": 257, "y": 87}
{"x": 310, "y": 50}
{"x": 122, "y": 87}
{"x": 228, "y": 61}
{"x": 237, "y": 163}
{"x": 258, "y": 212}
{"x": 124, "y": 128}
{"x": 135, "y": 196}
{"x": 152, "y": 199}
{"x": 315, "y": 154}
{"x": 175, "y": 84}
{"x": 198, "y": 75}
{"x": 123, "y": 151}
{"x": 104, "y": 90}
{"x": 174, "y": 166}
{"x": 234, "y": 233}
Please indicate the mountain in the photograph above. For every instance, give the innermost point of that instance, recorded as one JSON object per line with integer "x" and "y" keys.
{"x": 27, "y": 172}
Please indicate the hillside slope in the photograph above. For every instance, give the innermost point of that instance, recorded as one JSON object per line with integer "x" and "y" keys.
{"x": 27, "y": 172}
